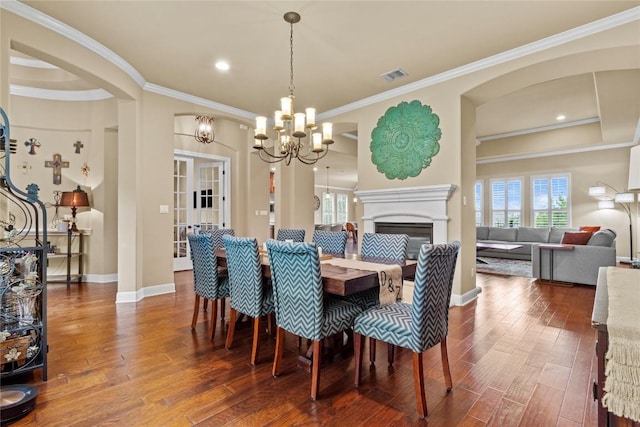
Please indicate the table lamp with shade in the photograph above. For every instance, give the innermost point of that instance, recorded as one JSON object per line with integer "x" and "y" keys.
{"x": 74, "y": 199}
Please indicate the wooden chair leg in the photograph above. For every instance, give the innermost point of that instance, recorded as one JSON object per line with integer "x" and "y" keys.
{"x": 358, "y": 348}
{"x": 232, "y": 328}
{"x": 255, "y": 348}
{"x": 270, "y": 324}
{"x": 277, "y": 358}
{"x": 390, "y": 353}
{"x": 372, "y": 350}
{"x": 214, "y": 319}
{"x": 418, "y": 383}
{"x": 223, "y": 304}
{"x": 445, "y": 364}
{"x": 315, "y": 369}
{"x": 205, "y": 304}
{"x": 194, "y": 320}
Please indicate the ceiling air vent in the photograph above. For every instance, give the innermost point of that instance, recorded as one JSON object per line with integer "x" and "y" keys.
{"x": 394, "y": 74}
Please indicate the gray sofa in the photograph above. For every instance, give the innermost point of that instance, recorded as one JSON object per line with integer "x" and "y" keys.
{"x": 579, "y": 265}
{"x": 525, "y": 236}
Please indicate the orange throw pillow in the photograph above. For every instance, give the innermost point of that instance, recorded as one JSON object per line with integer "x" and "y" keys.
{"x": 577, "y": 238}
{"x": 591, "y": 228}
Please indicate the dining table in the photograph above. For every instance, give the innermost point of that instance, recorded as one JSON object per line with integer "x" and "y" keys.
{"x": 336, "y": 280}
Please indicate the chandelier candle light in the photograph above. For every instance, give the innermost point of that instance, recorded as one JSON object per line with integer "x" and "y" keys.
{"x": 291, "y": 127}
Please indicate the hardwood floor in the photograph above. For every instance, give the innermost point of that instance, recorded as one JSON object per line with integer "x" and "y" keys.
{"x": 521, "y": 355}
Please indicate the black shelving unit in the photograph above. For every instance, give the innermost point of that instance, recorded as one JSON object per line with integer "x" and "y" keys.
{"x": 23, "y": 275}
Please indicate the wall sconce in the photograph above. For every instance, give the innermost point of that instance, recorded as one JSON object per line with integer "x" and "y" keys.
{"x": 74, "y": 199}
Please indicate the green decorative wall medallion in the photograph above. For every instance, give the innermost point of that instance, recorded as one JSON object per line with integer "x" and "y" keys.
{"x": 405, "y": 140}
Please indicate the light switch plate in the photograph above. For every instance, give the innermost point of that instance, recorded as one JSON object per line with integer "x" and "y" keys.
{"x": 164, "y": 209}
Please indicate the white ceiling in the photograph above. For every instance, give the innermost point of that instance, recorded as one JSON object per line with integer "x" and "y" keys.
{"x": 340, "y": 49}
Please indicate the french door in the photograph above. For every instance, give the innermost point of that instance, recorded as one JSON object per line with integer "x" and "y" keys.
{"x": 200, "y": 201}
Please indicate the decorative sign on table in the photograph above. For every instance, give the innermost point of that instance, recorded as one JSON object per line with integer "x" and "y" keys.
{"x": 405, "y": 140}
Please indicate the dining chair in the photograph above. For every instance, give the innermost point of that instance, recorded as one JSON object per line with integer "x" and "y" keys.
{"x": 418, "y": 326}
{"x": 379, "y": 245}
{"x": 301, "y": 305}
{"x": 351, "y": 231}
{"x": 217, "y": 234}
{"x": 251, "y": 293}
{"x": 388, "y": 246}
{"x": 208, "y": 284}
{"x": 297, "y": 235}
{"x": 331, "y": 242}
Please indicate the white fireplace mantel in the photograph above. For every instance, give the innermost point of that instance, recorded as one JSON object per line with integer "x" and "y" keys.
{"x": 427, "y": 204}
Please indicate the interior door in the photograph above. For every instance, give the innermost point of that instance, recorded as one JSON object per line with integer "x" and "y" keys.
{"x": 211, "y": 200}
{"x": 182, "y": 211}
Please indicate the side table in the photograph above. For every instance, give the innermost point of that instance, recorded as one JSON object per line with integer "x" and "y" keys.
{"x": 554, "y": 247}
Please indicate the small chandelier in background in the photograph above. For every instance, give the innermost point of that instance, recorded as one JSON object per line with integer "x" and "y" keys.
{"x": 291, "y": 127}
{"x": 204, "y": 129}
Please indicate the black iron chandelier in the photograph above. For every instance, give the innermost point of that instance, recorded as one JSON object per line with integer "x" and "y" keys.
{"x": 204, "y": 129}
{"x": 292, "y": 127}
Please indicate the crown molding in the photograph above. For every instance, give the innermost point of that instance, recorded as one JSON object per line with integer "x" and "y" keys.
{"x": 585, "y": 30}
{"x": 498, "y": 159}
{"x": 60, "y": 95}
{"x": 31, "y": 63}
{"x": 203, "y": 102}
{"x": 72, "y": 34}
{"x": 538, "y": 129}
{"x": 595, "y": 27}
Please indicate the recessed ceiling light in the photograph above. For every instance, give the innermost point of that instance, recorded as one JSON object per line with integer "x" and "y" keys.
{"x": 222, "y": 65}
{"x": 315, "y": 169}
{"x": 560, "y": 117}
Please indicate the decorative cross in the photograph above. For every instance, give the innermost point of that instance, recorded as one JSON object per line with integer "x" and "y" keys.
{"x": 78, "y": 146}
{"x": 57, "y": 164}
{"x": 85, "y": 169}
{"x": 25, "y": 166}
{"x": 32, "y": 143}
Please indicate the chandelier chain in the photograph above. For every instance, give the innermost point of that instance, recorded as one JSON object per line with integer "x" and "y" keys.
{"x": 291, "y": 86}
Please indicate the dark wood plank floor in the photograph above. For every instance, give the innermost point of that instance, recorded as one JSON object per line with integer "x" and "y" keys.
{"x": 521, "y": 355}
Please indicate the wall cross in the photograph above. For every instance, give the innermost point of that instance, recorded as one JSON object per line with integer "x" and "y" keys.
{"x": 78, "y": 145}
{"x": 57, "y": 164}
{"x": 32, "y": 143}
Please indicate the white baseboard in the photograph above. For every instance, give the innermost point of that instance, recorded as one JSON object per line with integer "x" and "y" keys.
{"x": 466, "y": 298}
{"x": 100, "y": 278}
{"x": 149, "y": 291}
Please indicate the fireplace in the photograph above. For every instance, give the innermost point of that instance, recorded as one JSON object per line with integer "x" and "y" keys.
{"x": 414, "y": 207}
{"x": 422, "y": 230}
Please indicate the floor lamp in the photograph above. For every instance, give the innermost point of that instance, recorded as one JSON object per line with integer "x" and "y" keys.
{"x": 623, "y": 199}
{"x": 634, "y": 183}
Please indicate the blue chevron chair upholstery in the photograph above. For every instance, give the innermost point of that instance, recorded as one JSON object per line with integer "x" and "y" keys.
{"x": 389, "y": 246}
{"x": 297, "y": 235}
{"x": 218, "y": 234}
{"x": 418, "y": 326}
{"x": 207, "y": 282}
{"x": 331, "y": 242}
{"x": 379, "y": 245}
{"x": 251, "y": 294}
{"x": 301, "y": 306}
